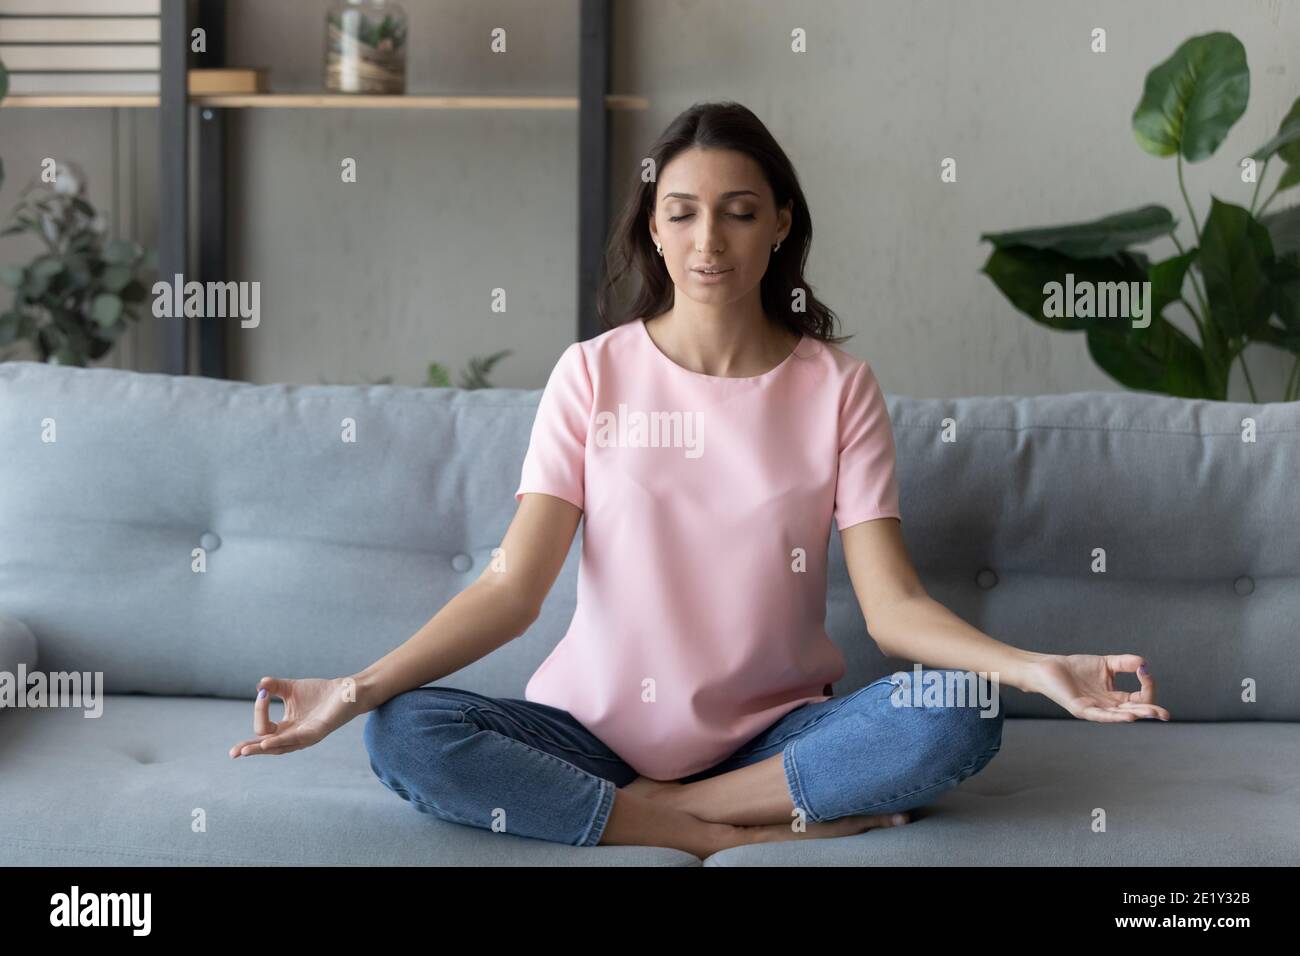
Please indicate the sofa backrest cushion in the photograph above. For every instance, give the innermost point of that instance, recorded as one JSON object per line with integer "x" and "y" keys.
{"x": 186, "y": 535}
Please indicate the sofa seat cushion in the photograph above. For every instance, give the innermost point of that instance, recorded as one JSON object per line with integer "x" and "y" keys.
{"x": 1174, "y": 794}
{"x": 124, "y": 789}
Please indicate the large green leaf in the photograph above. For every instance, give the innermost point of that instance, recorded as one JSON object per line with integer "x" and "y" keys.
{"x": 1023, "y": 273}
{"x": 1289, "y": 178}
{"x": 1191, "y": 100}
{"x": 1167, "y": 280}
{"x": 1287, "y": 141}
{"x": 1158, "y": 358}
{"x": 1096, "y": 239}
{"x": 1236, "y": 253}
{"x": 1284, "y": 276}
{"x": 1284, "y": 229}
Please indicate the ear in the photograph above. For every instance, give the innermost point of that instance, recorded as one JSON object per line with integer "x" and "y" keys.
{"x": 784, "y": 219}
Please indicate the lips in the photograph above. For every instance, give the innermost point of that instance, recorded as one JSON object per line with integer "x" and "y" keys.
{"x": 711, "y": 270}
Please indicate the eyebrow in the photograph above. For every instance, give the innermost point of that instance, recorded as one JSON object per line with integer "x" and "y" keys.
{"x": 733, "y": 193}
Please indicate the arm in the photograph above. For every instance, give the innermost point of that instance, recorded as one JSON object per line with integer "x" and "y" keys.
{"x": 907, "y": 623}
{"x": 498, "y": 607}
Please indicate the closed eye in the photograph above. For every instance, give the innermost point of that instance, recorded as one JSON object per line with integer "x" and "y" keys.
{"x": 733, "y": 215}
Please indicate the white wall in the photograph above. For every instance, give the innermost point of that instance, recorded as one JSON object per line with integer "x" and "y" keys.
{"x": 384, "y": 276}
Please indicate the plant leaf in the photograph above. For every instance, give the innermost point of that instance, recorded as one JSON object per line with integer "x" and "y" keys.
{"x": 1191, "y": 100}
{"x": 1287, "y": 141}
{"x": 1158, "y": 358}
{"x": 105, "y": 308}
{"x": 1096, "y": 239}
{"x": 1167, "y": 280}
{"x": 437, "y": 377}
{"x": 120, "y": 252}
{"x": 1023, "y": 273}
{"x": 116, "y": 278}
{"x": 1235, "y": 255}
{"x": 1283, "y": 228}
{"x": 1285, "y": 276}
{"x": 1289, "y": 178}
{"x": 9, "y": 322}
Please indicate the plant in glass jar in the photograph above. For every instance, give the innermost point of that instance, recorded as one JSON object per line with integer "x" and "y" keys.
{"x": 365, "y": 47}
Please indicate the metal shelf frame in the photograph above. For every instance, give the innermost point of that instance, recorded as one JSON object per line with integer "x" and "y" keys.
{"x": 175, "y": 107}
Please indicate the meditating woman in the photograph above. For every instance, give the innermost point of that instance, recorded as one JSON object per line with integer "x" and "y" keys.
{"x": 707, "y": 440}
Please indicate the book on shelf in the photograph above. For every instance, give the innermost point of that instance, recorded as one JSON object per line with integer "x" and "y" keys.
{"x": 88, "y": 84}
{"x": 90, "y": 8}
{"x": 79, "y": 30}
{"x": 201, "y": 82}
{"x": 95, "y": 57}
{"x": 228, "y": 80}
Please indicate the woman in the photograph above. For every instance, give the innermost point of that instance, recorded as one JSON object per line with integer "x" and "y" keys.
{"x": 708, "y": 441}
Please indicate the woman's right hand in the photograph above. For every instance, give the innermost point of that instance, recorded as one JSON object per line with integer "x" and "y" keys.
{"x": 313, "y": 709}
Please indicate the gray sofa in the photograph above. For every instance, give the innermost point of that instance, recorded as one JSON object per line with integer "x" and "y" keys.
{"x": 322, "y": 555}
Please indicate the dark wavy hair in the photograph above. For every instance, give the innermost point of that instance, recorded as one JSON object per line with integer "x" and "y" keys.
{"x": 630, "y": 250}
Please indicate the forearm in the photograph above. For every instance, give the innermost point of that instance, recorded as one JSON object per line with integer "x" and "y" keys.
{"x": 921, "y": 629}
{"x": 471, "y": 625}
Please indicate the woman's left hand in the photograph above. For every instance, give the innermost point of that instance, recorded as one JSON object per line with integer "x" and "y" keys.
{"x": 1084, "y": 684}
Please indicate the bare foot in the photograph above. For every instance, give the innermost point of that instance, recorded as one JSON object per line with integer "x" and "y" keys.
{"x": 651, "y": 789}
{"x": 727, "y": 836}
{"x": 843, "y": 826}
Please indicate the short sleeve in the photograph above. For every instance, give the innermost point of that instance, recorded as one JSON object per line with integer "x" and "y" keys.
{"x": 866, "y": 486}
{"x": 557, "y": 448}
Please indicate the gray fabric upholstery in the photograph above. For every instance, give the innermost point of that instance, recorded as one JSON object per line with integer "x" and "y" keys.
{"x": 322, "y": 555}
{"x": 17, "y": 647}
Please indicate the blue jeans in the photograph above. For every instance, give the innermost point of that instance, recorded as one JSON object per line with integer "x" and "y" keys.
{"x": 533, "y": 770}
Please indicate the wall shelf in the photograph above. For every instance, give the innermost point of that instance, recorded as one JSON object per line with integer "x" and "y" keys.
{"x": 410, "y": 101}
{"x": 592, "y": 104}
{"x": 407, "y": 101}
{"x": 86, "y": 101}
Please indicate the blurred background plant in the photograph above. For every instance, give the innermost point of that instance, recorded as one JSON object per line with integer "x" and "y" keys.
{"x": 74, "y": 300}
{"x": 1243, "y": 268}
{"x": 474, "y": 375}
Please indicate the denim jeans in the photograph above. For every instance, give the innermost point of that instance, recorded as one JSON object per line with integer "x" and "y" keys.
{"x": 533, "y": 770}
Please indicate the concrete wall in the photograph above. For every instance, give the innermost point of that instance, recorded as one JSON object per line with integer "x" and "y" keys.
{"x": 385, "y": 275}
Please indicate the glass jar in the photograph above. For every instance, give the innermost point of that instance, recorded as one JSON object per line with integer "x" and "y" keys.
{"x": 365, "y": 47}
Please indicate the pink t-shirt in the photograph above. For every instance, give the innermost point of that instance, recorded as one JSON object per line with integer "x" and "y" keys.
{"x": 707, "y": 504}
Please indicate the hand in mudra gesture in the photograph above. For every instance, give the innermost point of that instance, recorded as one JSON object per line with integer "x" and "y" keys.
{"x": 1084, "y": 684}
{"x": 313, "y": 708}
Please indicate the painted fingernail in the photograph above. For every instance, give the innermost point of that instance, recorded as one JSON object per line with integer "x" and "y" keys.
{"x": 1143, "y": 670}
{"x": 261, "y": 693}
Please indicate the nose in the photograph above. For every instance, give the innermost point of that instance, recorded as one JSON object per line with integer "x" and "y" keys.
{"x": 706, "y": 238}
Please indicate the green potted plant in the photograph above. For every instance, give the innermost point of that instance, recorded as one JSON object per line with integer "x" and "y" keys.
{"x": 474, "y": 375}
{"x": 74, "y": 299}
{"x": 1242, "y": 268}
